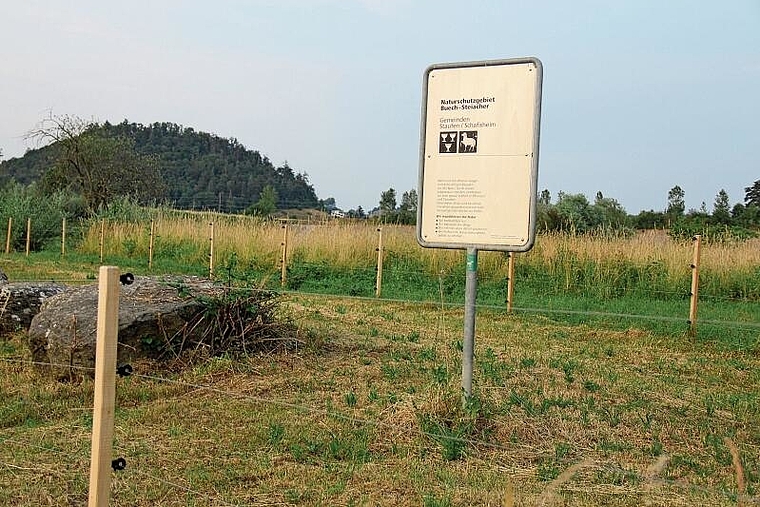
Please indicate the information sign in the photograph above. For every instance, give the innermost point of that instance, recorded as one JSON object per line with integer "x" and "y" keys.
{"x": 479, "y": 155}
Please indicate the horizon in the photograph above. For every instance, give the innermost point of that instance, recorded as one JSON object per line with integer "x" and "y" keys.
{"x": 638, "y": 96}
{"x": 555, "y": 194}
{"x": 367, "y": 208}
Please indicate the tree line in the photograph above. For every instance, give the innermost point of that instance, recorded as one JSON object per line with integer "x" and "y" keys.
{"x": 577, "y": 214}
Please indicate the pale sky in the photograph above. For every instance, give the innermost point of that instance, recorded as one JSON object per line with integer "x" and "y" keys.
{"x": 638, "y": 96}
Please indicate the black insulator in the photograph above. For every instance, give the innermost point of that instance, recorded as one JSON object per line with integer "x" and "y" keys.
{"x": 119, "y": 464}
{"x": 125, "y": 370}
{"x": 127, "y": 279}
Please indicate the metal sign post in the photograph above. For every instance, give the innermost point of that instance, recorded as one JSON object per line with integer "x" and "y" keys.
{"x": 479, "y": 166}
{"x": 468, "y": 344}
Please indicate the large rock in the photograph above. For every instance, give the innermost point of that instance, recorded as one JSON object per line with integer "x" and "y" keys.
{"x": 151, "y": 310}
{"x": 20, "y": 302}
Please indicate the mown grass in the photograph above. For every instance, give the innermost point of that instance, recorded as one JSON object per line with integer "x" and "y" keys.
{"x": 369, "y": 412}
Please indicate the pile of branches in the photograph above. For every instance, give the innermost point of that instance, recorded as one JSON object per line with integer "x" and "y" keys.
{"x": 238, "y": 322}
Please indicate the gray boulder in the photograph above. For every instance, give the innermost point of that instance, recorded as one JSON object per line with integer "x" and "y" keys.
{"x": 20, "y": 302}
{"x": 151, "y": 312}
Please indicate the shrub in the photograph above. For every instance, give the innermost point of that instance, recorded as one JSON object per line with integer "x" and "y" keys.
{"x": 46, "y": 212}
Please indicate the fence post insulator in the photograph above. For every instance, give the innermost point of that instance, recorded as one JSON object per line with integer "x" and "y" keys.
{"x": 125, "y": 370}
{"x": 119, "y": 464}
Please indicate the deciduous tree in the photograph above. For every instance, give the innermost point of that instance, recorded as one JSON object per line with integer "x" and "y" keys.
{"x": 388, "y": 201}
{"x": 267, "y": 203}
{"x": 407, "y": 212}
{"x": 99, "y": 167}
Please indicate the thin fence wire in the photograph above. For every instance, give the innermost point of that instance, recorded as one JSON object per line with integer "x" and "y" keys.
{"x": 131, "y": 469}
{"x": 406, "y": 272}
{"x": 682, "y": 295}
{"x": 378, "y": 424}
{"x": 739, "y": 325}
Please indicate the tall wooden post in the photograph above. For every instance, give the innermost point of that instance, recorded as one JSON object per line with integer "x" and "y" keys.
{"x": 211, "y": 251}
{"x": 102, "y": 238}
{"x": 284, "y": 256}
{"x": 28, "y": 235}
{"x": 63, "y": 237}
{"x": 510, "y": 281}
{"x": 694, "y": 284}
{"x": 379, "y": 279}
{"x": 8, "y": 237}
{"x": 105, "y": 386}
{"x": 150, "y": 243}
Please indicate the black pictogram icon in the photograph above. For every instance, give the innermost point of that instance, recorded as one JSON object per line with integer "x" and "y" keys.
{"x": 448, "y": 142}
{"x": 468, "y": 141}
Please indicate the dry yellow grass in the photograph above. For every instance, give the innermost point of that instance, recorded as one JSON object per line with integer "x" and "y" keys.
{"x": 351, "y": 244}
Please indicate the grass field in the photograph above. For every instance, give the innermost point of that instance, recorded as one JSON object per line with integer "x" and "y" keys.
{"x": 590, "y": 393}
{"x": 369, "y": 413}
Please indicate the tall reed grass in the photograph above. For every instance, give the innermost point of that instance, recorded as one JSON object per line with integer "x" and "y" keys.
{"x": 649, "y": 264}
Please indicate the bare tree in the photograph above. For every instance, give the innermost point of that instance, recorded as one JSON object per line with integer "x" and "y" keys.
{"x": 101, "y": 167}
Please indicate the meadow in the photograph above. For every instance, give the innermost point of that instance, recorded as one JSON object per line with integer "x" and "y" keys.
{"x": 590, "y": 393}
{"x": 644, "y": 277}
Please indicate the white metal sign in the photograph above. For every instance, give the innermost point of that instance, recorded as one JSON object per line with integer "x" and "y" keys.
{"x": 479, "y": 155}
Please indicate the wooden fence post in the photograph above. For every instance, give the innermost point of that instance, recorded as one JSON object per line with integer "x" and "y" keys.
{"x": 211, "y": 251}
{"x": 63, "y": 237}
{"x": 694, "y": 284}
{"x": 28, "y": 235}
{"x": 379, "y": 279}
{"x": 284, "y": 256}
{"x": 102, "y": 238}
{"x": 105, "y": 386}
{"x": 8, "y": 237}
{"x": 510, "y": 281}
{"x": 150, "y": 243}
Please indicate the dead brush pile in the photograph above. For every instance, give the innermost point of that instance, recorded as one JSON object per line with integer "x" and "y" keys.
{"x": 236, "y": 323}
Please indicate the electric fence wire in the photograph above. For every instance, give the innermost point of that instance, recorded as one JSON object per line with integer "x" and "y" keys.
{"x": 741, "y": 325}
{"x": 430, "y": 302}
{"x": 368, "y": 270}
{"x": 134, "y": 469}
{"x": 380, "y": 424}
{"x": 129, "y": 470}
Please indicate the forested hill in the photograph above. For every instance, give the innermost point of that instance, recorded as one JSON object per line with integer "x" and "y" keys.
{"x": 201, "y": 170}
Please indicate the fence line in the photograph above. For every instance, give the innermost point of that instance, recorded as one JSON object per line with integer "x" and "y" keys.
{"x": 645, "y": 478}
{"x": 131, "y": 468}
{"x": 515, "y": 309}
{"x": 693, "y": 303}
{"x": 392, "y": 271}
{"x": 28, "y": 235}
{"x": 8, "y": 237}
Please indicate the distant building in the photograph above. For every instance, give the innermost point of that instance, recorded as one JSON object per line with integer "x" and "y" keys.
{"x": 337, "y": 213}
